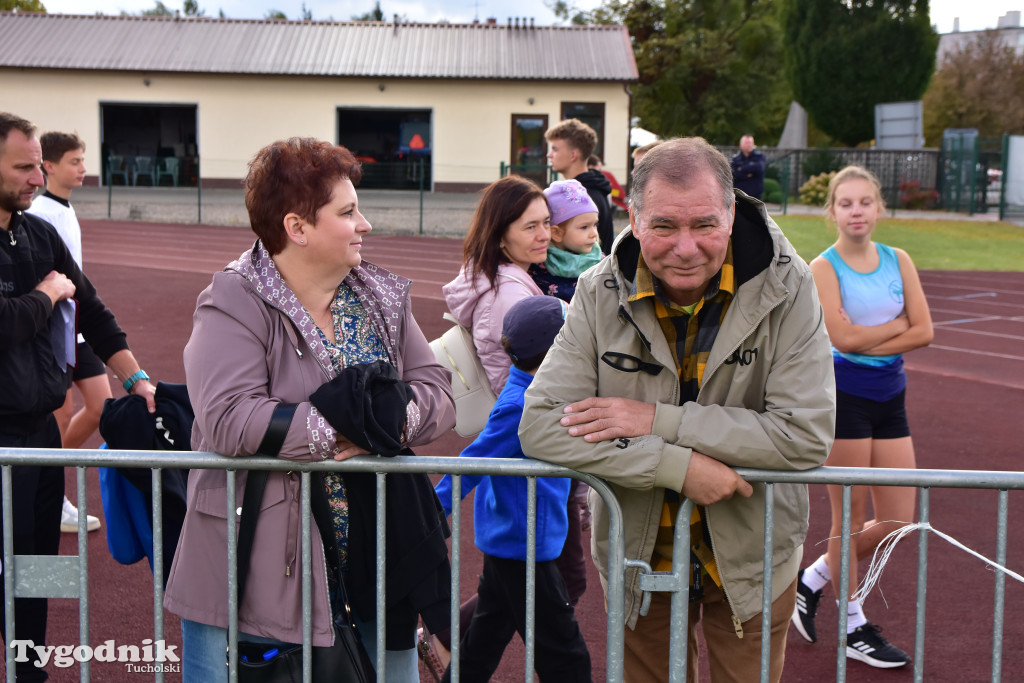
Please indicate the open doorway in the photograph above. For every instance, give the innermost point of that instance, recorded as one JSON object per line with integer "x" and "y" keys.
{"x": 149, "y": 144}
{"x": 394, "y": 146}
{"x": 529, "y": 152}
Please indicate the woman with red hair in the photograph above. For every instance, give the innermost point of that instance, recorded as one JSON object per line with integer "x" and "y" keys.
{"x": 300, "y": 331}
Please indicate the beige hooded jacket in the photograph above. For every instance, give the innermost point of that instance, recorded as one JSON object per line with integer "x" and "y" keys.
{"x": 767, "y": 401}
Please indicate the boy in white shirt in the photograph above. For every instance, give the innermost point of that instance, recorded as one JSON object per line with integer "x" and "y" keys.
{"x": 64, "y": 165}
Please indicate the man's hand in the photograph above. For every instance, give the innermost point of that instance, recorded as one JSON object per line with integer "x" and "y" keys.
{"x": 709, "y": 481}
{"x": 146, "y": 390}
{"x": 57, "y": 286}
{"x": 601, "y": 419}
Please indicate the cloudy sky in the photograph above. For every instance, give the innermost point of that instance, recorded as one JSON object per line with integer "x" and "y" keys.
{"x": 981, "y": 14}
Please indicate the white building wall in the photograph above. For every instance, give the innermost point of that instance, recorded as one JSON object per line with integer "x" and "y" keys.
{"x": 239, "y": 114}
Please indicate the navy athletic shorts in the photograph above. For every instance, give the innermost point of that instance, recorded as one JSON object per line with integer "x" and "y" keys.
{"x": 862, "y": 418}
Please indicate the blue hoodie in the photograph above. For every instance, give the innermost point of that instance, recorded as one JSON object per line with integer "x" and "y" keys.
{"x": 499, "y": 515}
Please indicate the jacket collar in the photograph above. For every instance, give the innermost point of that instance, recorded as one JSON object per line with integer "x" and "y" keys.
{"x": 382, "y": 293}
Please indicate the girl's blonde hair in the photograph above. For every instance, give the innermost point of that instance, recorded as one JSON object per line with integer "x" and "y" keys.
{"x": 852, "y": 173}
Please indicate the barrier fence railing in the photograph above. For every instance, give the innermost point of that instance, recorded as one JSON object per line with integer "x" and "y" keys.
{"x": 67, "y": 576}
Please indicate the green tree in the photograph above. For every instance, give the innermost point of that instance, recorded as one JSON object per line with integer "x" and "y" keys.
{"x": 973, "y": 88}
{"x": 22, "y": 6}
{"x": 275, "y": 14}
{"x": 376, "y": 14}
{"x": 845, "y": 56}
{"x": 158, "y": 10}
{"x": 707, "y": 67}
{"x": 190, "y": 8}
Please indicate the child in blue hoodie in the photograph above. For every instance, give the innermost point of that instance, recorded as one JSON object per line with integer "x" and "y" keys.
{"x": 499, "y": 518}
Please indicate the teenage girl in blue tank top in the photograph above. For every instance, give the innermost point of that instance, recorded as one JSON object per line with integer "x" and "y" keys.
{"x": 875, "y": 310}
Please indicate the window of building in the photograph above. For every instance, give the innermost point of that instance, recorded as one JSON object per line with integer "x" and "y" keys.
{"x": 149, "y": 144}
{"x": 590, "y": 113}
{"x": 394, "y": 145}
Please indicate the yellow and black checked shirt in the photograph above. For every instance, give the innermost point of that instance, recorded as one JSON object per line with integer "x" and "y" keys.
{"x": 690, "y": 332}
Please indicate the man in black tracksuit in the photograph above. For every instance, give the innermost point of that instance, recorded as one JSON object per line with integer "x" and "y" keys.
{"x": 572, "y": 142}
{"x": 44, "y": 300}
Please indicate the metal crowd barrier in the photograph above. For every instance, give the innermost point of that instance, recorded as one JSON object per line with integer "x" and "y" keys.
{"x": 67, "y": 576}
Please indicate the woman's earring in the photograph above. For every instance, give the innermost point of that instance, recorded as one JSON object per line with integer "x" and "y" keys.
{"x": 302, "y": 241}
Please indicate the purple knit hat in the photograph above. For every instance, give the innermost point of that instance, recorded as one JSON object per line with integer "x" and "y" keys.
{"x": 568, "y": 199}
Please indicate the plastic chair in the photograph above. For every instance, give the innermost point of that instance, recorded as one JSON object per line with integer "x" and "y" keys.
{"x": 115, "y": 167}
{"x": 167, "y": 167}
{"x": 143, "y": 166}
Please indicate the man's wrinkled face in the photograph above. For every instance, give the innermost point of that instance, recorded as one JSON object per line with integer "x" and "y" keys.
{"x": 684, "y": 234}
{"x": 20, "y": 171}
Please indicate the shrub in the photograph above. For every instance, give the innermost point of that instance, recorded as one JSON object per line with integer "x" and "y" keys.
{"x": 772, "y": 191}
{"x": 814, "y": 191}
{"x": 913, "y": 196}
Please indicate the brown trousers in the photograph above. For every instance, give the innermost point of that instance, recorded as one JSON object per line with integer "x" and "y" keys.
{"x": 730, "y": 658}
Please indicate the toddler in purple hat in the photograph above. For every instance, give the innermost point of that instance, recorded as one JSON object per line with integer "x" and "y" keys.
{"x": 574, "y": 245}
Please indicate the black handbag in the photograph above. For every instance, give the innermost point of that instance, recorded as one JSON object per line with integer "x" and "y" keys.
{"x": 344, "y": 662}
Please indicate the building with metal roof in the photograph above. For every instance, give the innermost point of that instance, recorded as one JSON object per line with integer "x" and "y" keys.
{"x": 450, "y": 105}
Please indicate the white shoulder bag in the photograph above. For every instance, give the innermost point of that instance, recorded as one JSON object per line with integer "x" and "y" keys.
{"x": 472, "y": 391}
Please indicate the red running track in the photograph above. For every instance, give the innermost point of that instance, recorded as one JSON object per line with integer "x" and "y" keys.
{"x": 965, "y": 397}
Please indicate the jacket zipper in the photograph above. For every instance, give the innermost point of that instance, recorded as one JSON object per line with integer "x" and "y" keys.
{"x": 737, "y": 625}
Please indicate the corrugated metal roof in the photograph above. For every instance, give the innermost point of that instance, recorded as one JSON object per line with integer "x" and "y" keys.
{"x": 315, "y": 48}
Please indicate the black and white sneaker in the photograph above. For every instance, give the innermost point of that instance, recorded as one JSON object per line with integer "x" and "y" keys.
{"x": 806, "y": 608}
{"x": 866, "y": 644}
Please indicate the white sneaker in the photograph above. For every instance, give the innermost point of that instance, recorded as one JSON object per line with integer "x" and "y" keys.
{"x": 69, "y": 519}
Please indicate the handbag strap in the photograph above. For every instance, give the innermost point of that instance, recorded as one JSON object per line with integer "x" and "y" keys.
{"x": 255, "y": 484}
{"x": 319, "y": 506}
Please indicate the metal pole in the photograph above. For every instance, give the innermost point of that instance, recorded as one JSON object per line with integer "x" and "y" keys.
{"x": 110, "y": 189}
{"x": 997, "y": 621}
{"x": 1004, "y": 167}
{"x": 199, "y": 193}
{"x": 421, "y": 195}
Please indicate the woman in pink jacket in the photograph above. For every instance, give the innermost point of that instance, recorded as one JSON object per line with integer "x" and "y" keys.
{"x": 287, "y": 324}
{"x": 510, "y": 231}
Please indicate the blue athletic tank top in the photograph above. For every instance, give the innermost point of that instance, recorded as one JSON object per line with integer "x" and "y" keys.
{"x": 869, "y": 299}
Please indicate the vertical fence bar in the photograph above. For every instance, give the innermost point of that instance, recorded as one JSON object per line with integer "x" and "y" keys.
{"x": 83, "y": 567}
{"x": 421, "y": 195}
{"x": 616, "y": 594}
{"x": 305, "y": 509}
{"x": 233, "y": 514}
{"x": 199, "y": 193}
{"x": 997, "y": 623}
{"x": 531, "y": 576}
{"x": 922, "y": 585}
{"x": 766, "y": 585}
{"x": 7, "y": 488}
{"x": 844, "y": 584}
{"x": 110, "y": 191}
{"x": 381, "y": 569}
{"x": 456, "y": 601}
{"x": 679, "y": 613}
{"x": 158, "y": 561}
{"x": 1004, "y": 167}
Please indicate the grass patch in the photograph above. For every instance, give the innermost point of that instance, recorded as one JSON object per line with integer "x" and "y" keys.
{"x": 933, "y": 244}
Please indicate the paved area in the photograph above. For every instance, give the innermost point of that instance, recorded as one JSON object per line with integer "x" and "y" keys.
{"x": 399, "y": 212}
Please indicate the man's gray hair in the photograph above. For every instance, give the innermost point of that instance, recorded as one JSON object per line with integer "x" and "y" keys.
{"x": 678, "y": 162}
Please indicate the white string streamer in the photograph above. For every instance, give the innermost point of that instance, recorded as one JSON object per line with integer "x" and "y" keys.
{"x": 885, "y": 548}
